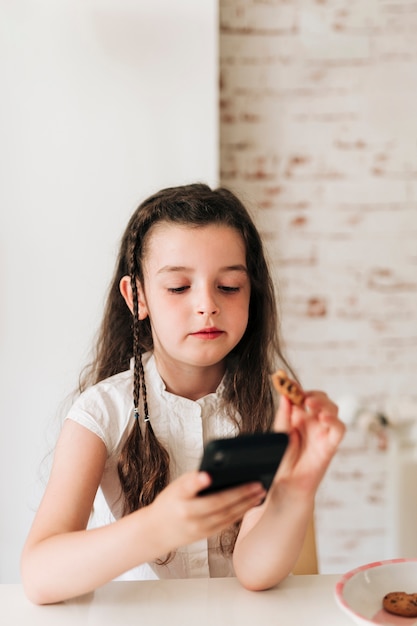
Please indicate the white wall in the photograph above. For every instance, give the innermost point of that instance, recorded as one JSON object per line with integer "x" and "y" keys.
{"x": 101, "y": 104}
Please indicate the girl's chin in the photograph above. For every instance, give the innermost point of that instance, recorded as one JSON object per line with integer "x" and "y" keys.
{"x": 203, "y": 361}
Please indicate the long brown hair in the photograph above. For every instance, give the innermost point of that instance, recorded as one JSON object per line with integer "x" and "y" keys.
{"x": 144, "y": 463}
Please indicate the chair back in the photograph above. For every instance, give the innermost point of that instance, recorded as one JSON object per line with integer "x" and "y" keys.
{"x": 307, "y": 561}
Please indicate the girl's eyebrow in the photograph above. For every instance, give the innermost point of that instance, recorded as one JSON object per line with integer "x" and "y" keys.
{"x": 166, "y": 269}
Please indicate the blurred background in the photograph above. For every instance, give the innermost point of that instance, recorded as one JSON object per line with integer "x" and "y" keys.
{"x": 306, "y": 109}
{"x": 318, "y": 130}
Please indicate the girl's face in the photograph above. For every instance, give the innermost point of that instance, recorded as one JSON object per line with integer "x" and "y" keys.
{"x": 196, "y": 293}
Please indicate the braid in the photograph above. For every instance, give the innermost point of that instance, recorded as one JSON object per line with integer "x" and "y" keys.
{"x": 137, "y": 365}
{"x": 143, "y": 465}
{"x": 143, "y": 389}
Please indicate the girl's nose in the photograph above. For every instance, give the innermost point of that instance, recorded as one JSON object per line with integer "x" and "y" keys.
{"x": 207, "y": 305}
{"x": 208, "y": 311}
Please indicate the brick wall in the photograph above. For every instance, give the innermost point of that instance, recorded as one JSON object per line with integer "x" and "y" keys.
{"x": 318, "y": 134}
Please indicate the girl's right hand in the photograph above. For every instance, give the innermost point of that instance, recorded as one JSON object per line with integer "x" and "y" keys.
{"x": 187, "y": 517}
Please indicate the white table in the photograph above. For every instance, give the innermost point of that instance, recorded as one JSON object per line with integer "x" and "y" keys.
{"x": 298, "y": 601}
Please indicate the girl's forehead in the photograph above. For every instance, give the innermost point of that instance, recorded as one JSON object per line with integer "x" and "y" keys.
{"x": 170, "y": 233}
{"x": 184, "y": 245}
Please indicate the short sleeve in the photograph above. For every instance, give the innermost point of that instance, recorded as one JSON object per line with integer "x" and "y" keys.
{"x": 105, "y": 410}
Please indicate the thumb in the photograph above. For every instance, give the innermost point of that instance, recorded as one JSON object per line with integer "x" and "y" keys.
{"x": 282, "y": 422}
{"x": 193, "y": 482}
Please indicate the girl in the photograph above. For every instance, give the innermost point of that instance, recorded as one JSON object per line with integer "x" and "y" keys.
{"x": 185, "y": 352}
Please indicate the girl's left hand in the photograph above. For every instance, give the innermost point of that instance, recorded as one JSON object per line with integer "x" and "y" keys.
{"x": 315, "y": 432}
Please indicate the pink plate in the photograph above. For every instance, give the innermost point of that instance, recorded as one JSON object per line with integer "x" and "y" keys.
{"x": 359, "y": 593}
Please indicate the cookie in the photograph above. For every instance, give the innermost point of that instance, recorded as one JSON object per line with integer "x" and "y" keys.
{"x": 288, "y": 387}
{"x": 401, "y": 603}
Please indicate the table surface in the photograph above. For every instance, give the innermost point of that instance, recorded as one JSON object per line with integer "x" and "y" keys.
{"x": 297, "y": 601}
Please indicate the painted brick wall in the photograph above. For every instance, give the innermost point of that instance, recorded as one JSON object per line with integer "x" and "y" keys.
{"x": 318, "y": 134}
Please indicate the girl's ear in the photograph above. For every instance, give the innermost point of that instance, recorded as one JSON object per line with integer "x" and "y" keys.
{"x": 126, "y": 291}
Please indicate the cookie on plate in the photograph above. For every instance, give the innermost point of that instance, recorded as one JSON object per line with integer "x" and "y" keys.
{"x": 401, "y": 603}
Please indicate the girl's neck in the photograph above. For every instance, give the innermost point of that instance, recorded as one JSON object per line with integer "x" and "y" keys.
{"x": 189, "y": 381}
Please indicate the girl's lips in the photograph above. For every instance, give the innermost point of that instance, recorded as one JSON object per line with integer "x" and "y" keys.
{"x": 208, "y": 333}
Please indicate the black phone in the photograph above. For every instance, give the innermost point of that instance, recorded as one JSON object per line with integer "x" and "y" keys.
{"x": 242, "y": 459}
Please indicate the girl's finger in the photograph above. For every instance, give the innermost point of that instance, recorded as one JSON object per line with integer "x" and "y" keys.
{"x": 191, "y": 483}
{"x": 316, "y": 400}
{"x": 336, "y": 428}
{"x": 290, "y": 457}
{"x": 226, "y": 499}
{"x": 282, "y": 422}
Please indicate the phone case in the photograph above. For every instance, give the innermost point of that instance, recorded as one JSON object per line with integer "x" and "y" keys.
{"x": 243, "y": 459}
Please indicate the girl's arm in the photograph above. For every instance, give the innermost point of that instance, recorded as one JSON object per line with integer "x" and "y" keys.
{"x": 61, "y": 559}
{"x": 272, "y": 535}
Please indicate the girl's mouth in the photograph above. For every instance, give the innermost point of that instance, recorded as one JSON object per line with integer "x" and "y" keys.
{"x": 208, "y": 333}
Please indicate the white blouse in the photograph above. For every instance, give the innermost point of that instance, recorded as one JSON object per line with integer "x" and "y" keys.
{"x": 183, "y": 426}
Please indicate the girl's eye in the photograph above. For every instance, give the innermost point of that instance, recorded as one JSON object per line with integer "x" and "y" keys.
{"x": 177, "y": 289}
{"x": 229, "y": 289}
{"x": 223, "y": 288}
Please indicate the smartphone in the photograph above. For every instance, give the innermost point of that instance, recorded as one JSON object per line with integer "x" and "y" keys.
{"x": 242, "y": 459}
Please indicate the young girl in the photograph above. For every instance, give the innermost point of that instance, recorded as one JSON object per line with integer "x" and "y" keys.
{"x": 185, "y": 352}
